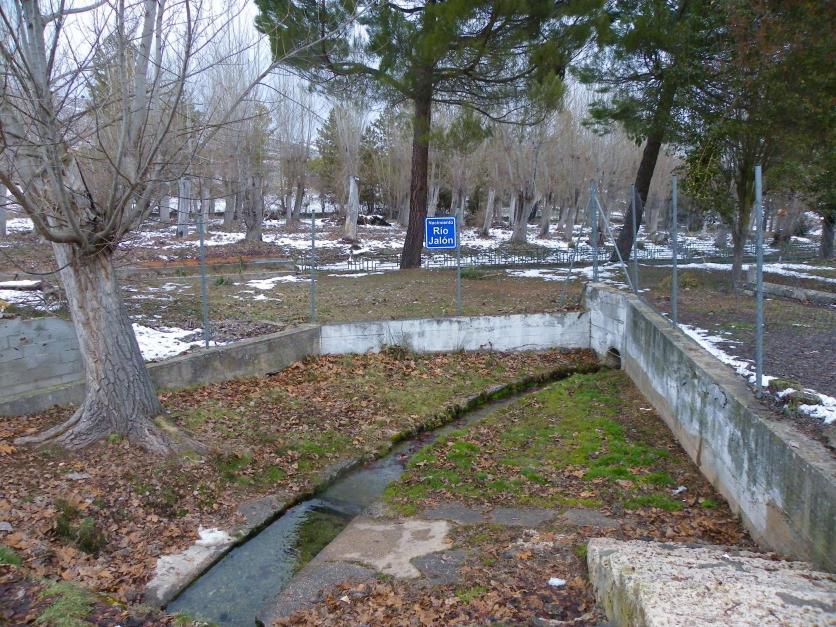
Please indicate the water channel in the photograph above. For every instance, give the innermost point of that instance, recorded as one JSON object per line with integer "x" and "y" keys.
{"x": 232, "y": 592}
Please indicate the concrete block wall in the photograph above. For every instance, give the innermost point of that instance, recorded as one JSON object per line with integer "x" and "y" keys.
{"x": 37, "y": 353}
{"x": 781, "y": 483}
{"x": 516, "y": 332}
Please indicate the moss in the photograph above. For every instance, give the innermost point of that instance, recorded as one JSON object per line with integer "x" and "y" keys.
{"x": 9, "y": 556}
{"x": 84, "y": 533}
{"x": 69, "y": 605}
{"x": 466, "y": 595}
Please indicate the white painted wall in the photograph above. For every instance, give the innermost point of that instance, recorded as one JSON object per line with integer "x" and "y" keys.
{"x": 519, "y": 332}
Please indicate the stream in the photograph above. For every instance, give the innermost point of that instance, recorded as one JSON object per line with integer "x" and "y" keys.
{"x": 233, "y": 591}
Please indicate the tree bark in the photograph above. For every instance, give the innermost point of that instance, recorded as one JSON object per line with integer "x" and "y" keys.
{"x": 828, "y": 226}
{"x": 458, "y": 207}
{"x": 230, "y": 201}
{"x": 4, "y": 198}
{"x": 644, "y": 175}
{"x": 414, "y": 240}
{"x": 519, "y": 217}
{"x": 184, "y": 204}
{"x": 489, "y": 209}
{"x": 120, "y": 396}
{"x": 299, "y": 198}
{"x": 352, "y": 210}
{"x": 432, "y": 205}
{"x": 546, "y": 217}
{"x": 253, "y": 211}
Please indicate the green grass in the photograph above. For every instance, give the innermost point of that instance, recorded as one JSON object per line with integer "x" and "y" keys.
{"x": 521, "y": 452}
{"x": 658, "y": 500}
{"x": 466, "y": 595}
{"x": 9, "y": 556}
{"x": 69, "y": 605}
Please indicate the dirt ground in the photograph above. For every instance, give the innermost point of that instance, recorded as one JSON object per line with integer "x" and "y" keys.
{"x": 799, "y": 338}
{"x": 101, "y": 517}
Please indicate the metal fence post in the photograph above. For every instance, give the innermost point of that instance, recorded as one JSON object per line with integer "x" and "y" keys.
{"x": 313, "y": 266}
{"x": 458, "y": 271}
{"x": 593, "y": 193}
{"x": 204, "y": 288}
{"x": 634, "y": 252}
{"x": 759, "y": 282}
{"x": 674, "y": 250}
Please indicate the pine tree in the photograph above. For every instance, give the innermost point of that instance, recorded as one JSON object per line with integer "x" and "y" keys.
{"x": 651, "y": 58}
{"x": 483, "y": 55}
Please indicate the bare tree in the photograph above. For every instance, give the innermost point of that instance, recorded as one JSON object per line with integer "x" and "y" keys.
{"x": 351, "y": 121}
{"x": 90, "y": 97}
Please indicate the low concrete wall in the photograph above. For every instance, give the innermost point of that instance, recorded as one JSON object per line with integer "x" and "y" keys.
{"x": 497, "y": 333}
{"x": 782, "y": 483}
{"x": 37, "y": 353}
{"x": 250, "y": 357}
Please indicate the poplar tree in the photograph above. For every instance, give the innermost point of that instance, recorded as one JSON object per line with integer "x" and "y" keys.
{"x": 487, "y": 56}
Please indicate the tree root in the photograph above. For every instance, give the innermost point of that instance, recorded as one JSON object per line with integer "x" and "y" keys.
{"x": 87, "y": 426}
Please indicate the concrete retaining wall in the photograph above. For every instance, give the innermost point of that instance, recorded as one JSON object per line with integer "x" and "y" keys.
{"x": 782, "y": 483}
{"x": 37, "y": 353}
{"x": 250, "y": 357}
{"x": 498, "y": 333}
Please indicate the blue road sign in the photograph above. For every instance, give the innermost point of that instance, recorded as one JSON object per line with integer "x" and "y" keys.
{"x": 440, "y": 233}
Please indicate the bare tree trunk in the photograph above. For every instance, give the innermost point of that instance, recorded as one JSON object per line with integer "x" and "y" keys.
{"x": 432, "y": 205}
{"x": 519, "y": 215}
{"x": 787, "y": 221}
{"x": 230, "y": 200}
{"x": 414, "y": 240}
{"x": 721, "y": 237}
{"x": 652, "y": 219}
{"x": 184, "y": 203}
{"x": 458, "y": 206}
{"x": 828, "y": 226}
{"x": 253, "y": 210}
{"x": 120, "y": 396}
{"x": 300, "y": 196}
{"x": 204, "y": 200}
{"x": 403, "y": 211}
{"x": 489, "y": 209}
{"x": 4, "y": 198}
{"x": 546, "y": 217}
{"x": 165, "y": 203}
{"x": 353, "y": 210}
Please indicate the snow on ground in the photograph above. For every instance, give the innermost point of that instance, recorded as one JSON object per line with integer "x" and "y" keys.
{"x": 167, "y": 341}
{"x": 607, "y": 273}
{"x": 269, "y": 284}
{"x": 825, "y": 412}
{"x": 18, "y": 284}
{"x": 785, "y": 269}
{"x": 19, "y": 225}
{"x": 25, "y": 298}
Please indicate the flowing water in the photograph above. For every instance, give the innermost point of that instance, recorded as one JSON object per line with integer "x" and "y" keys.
{"x": 233, "y": 591}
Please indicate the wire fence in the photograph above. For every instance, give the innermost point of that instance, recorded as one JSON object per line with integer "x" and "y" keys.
{"x": 776, "y": 327}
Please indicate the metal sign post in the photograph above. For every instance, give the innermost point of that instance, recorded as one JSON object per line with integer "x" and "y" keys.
{"x": 442, "y": 233}
{"x": 204, "y": 290}
{"x": 313, "y": 266}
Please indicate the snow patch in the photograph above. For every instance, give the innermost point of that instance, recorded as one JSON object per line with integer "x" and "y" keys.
{"x": 166, "y": 341}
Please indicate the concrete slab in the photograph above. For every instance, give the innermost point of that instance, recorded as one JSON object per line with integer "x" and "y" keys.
{"x": 456, "y": 512}
{"x": 388, "y": 545}
{"x": 441, "y": 568}
{"x": 655, "y": 584}
{"x": 521, "y": 516}
{"x": 308, "y": 587}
